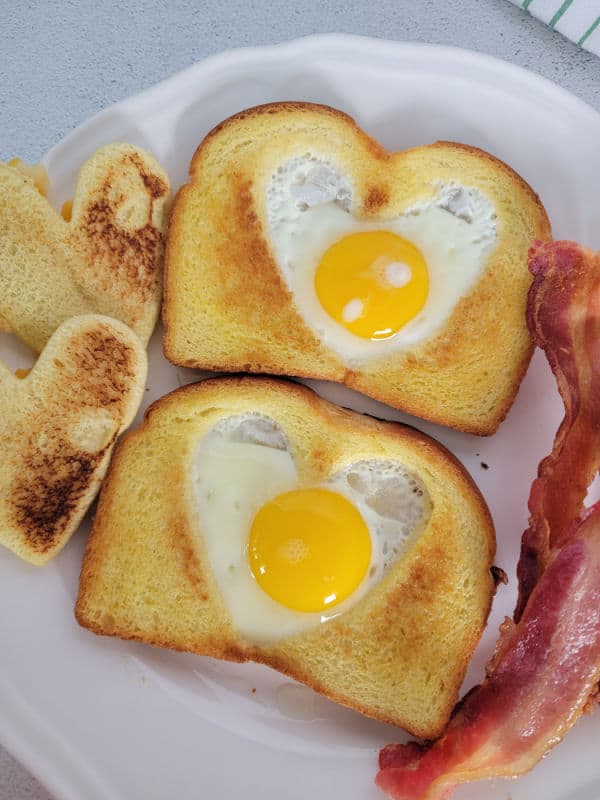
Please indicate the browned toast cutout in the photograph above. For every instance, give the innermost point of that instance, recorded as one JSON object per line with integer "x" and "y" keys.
{"x": 59, "y": 425}
{"x": 106, "y": 259}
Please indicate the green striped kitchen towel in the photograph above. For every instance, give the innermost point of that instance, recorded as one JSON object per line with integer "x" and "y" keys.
{"x": 579, "y": 20}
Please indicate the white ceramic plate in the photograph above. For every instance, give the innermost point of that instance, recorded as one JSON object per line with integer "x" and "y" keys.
{"x": 103, "y": 719}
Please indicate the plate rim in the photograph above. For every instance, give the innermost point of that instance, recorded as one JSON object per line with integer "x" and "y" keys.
{"x": 336, "y": 41}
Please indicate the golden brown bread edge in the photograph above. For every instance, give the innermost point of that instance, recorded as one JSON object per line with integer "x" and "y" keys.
{"x": 59, "y": 426}
{"x": 106, "y": 259}
{"x": 145, "y": 574}
{"x": 477, "y": 360}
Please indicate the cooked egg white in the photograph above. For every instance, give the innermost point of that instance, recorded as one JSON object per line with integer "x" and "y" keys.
{"x": 288, "y": 556}
{"x": 367, "y": 287}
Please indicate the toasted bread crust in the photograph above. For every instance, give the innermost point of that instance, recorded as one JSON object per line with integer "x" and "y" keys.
{"x": 228, "y": 308}
{"x": 61, "y": 422}
{"x": 426, "y": 615}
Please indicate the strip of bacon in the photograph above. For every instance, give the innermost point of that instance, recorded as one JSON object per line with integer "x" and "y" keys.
{"x": 547, "y": 663}
{"x": 540, "y": 679}
{"x": 564, "y": 318}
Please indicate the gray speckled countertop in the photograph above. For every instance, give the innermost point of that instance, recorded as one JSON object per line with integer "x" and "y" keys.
{"x": 60, "y": 62}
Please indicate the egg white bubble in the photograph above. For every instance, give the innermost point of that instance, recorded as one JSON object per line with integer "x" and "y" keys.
{"x": 398, "y": 274}
{"x": 353, "y": 310}
{"x": 244, "y": 462}
{"x": 311, "y": 205}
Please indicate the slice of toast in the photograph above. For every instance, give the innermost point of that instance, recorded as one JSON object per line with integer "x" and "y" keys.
{"x": 106, "y": 259}
{"x": 398, "y": 654}
{"x": 59, "y": 426}
{"x": 237, "y": 298}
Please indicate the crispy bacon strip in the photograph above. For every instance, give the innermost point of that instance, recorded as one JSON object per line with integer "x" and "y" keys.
{"x": 542, "y": 674}
{"x": 563, "y": 315}
{"x": 547, "y": 663}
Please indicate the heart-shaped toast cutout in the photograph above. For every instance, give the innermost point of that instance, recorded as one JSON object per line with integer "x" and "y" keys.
{"x": 106, "y": 259}
{"x": 59, "y": 425}
{"x": 302, "y": 247}
{"x": 185, "y": 509}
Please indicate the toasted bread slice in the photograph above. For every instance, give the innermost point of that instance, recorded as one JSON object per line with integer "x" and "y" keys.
{"x": 232, "y": 304}
{"x": 398, "y": 654}
{"x": 107, "y": 259}
{"x": 59, "y": 425}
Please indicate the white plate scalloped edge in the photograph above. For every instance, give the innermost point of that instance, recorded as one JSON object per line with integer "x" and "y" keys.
{"x": 104, "y": 719}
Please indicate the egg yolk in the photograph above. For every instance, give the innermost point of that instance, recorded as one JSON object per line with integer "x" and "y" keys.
{"x": 372, "y": 283}
{"x": 309, "y": 549}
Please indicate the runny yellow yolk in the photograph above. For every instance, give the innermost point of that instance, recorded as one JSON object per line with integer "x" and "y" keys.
{"x": 309, "y": 549}
{"x": 372, "y": 283}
